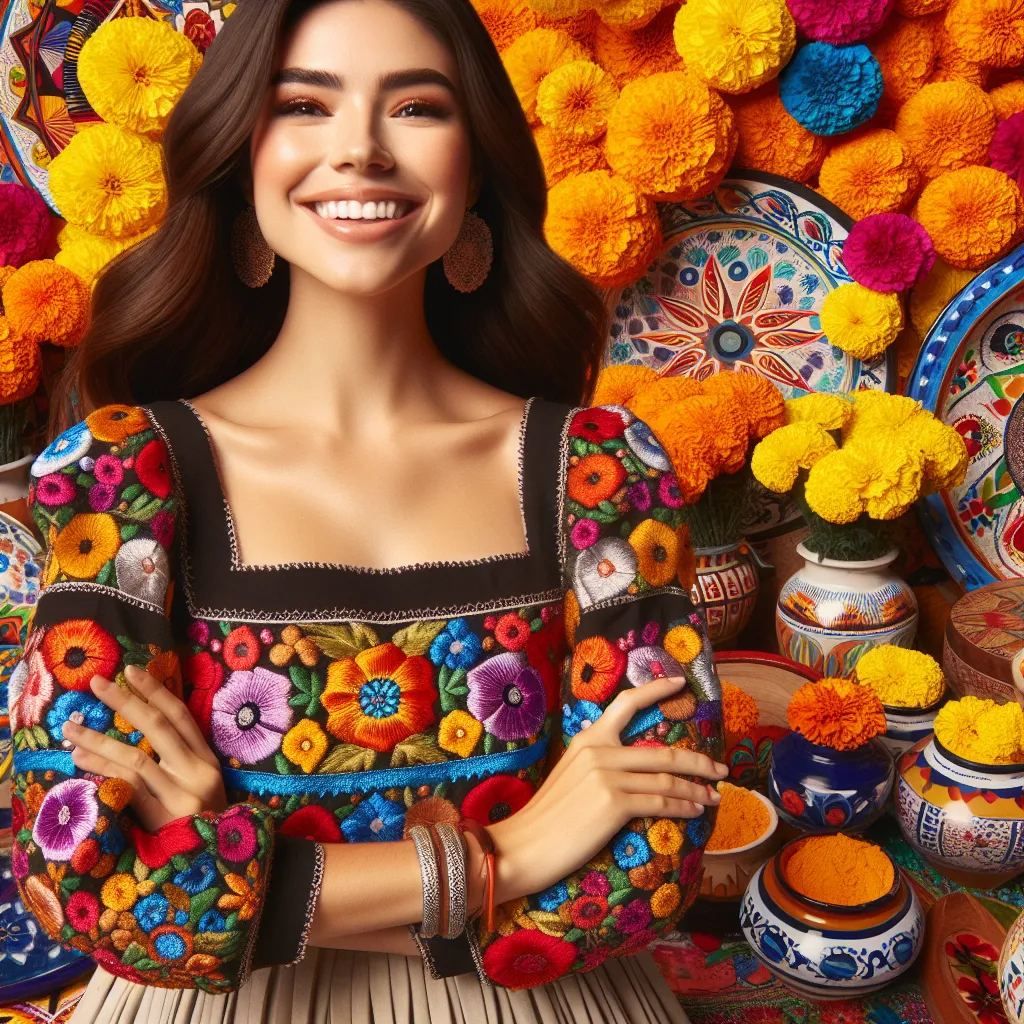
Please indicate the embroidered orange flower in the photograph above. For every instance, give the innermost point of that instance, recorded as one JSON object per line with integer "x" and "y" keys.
{"x": 572, "y": 615}
{"x": 243, "y": 897}
{"x": 76, "y": 650}
{"x": 86, "y": 544}
{"x": 379, "y": 697}
{"x": 683, "y": 643}
{"x": 657, "y": 550}
{"x": 166, "y": 668}
{"x": 595, "y": 478}
{"x": 597, "y": 667}
{"x": 305, "y": 745}
{"x": 459, "y": 732}
{"x": 116, "y": 422}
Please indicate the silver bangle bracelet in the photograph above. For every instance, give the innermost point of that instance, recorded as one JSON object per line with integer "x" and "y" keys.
{"x": 431, "y": 881}
{"x": 455, "y": 862}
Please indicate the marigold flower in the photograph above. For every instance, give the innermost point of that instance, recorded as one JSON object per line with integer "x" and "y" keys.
{"x": 952, "y": 64}
{"x": 840, "y": 21}
{"x": 134, "y": 70}
{"x": 945, "y": 126}
{"x": 1008, "y": 98}
{"x": 532, "y": 57}
{"x": 906, "y": 51}
{"x": 870, "y": 174}
{"x": 877, "y": 412}
{"x": 632, "y": 14}
{"x": 919, "y": 8}
{"x": 654, "y": 394}
{"x": 834, "y": 493}
{"x": 600, "y": 224}
{"x": 931, "y": 296}
{"x": 671, "y": 136}
{"x": 756, "y": 397}
{"x": 901, "y": 677}
{"x": 47, "y": 302}
{"x": 560, "y": 10}
{"x": 942, "y": 449}
{"x": 972, "y": 214}
{"x": 109, "y": 181}
{"x": 87, "y": 254}
{"x": 627, "y": 54}
{"x": 989, "y": 32}
{"x": 981, "y": 730}
{"x": 576, "y": 99}
{"x": 581, "y": 27}
{"x": 563, "y": 156}
{"x": 888, "y": 252}
{"x": 739, "y": 710}
{"x": 778, "y": 459}
{"x": 616, "y": 385}
{"x": 689, "y": 442}
{"x": 830, "y": 412}
{"x": 836, "y": 713}
{"x": 771, "y": 140}
{"x": 860, "y": 321}
{"x": 505, "y": 20}
{"x": 21, "y": 365}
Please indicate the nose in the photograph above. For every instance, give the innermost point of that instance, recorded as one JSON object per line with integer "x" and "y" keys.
{"x": 356, "y": 142}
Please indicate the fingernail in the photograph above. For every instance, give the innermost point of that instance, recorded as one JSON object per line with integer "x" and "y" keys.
{"x": 99, "y": 683}
{"x": 723, "y": 769}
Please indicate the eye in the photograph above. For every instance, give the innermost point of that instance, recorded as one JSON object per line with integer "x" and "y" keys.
{"x": 421, "y": 108}
{"x": 300, "y": 107}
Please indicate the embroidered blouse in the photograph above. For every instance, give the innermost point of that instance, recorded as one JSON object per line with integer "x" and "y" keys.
{"x": 346, "y": 704}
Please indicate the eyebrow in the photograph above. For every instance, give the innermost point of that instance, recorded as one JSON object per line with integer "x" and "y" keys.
{"x": 387, "y": 82}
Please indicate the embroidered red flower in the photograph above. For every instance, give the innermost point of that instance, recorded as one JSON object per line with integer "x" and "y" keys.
{"x": 78, "y": 649}
{"x": 526, "y": 959}
{"x": 588, "y": 911}
{"x": 512, "y": 631}
{"x": 153, "y": 469}
{"x": 595, "y": 478}
{"x": 85, "y": 857}
{"x": 496, "y": 799}
{"x": 312, "y": 822}
{"x": 112, "y": 964}
{"x": 241, "y": 649}
{"x": 545, "y": 650}
{"x": 596, "y": 425}
{"x": 82, "y": 911}
{"x": 204, "y": 676}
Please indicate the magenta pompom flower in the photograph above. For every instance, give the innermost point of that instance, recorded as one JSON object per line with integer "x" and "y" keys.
{"x": 24, "y": 225}
{"x": 839, "y": 21}
{"x": 888, "y": 252}
{"x": 1006, "y": 151}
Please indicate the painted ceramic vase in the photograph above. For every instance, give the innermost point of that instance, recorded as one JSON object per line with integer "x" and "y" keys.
{"x": 818, "y": 789}
{"x": 906, "y": 726}
{"x": 965, "y": 818}
{"x": 827, "y": 952}
{"x": 728, "y": 872}
{"x": 727, "y": 580}
{"x": 1011, "y": 973}
{"x": 830, "y": 613}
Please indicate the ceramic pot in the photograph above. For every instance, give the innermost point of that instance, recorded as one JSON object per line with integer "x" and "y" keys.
{"x": 966, "y": 819}
{"x": 906, "y": 726}
{"x": 826, "y": 952}
{"x": 728, "y": 872}
{"x": 727, "y": 580}
{"x": 1011, "y": 972}
{"x": 829, "y": 613}
{"x": 818, "y": 789}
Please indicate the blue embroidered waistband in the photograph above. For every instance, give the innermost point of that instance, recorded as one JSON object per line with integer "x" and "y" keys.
{"x": 386, "y": 778}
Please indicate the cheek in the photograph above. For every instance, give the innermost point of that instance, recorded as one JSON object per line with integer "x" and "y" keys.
{"x": 279, "y": 162}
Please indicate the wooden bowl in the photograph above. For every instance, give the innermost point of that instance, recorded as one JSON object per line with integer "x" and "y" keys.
{"x": 727, "y": 872}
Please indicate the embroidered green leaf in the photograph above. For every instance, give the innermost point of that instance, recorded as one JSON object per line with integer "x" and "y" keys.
{"x": 145, "y": 964}
{"x": 316, "y": 687}
{"x": 215, "y": 943}
{"x": 579, "y": 446}
{"x": 131, "y": 492}
{"x": 140, "y": 871}
{"x": 161, "y": 875}
{"x": 300, "y": 677}
{"x": 573, "y": 935}
{"x": 66, "y": 932}
{"x": 199, "y": 905}
{"x": 139, "y": 503}
{"x": 298, "y": 700}
{"x": 40, "y": 736}
{"x": 292, "y": 803}
{"x": 548, "y": 922}
{"x": 347, "y": 757}
{"x": 663, "y": 515}
{"x": 231, "y": 921}
{"x": 69, "y": 883}
{"x": 106, "y": 575}
{"x": 417, "y": 637}
{"x": 180, "y": 862}
{"x": 85, "y": 480}
{"x": 608, "y": 508}
{"x": 418, "y": 749}
{"x": 341, "y": 813}
{"x": 133, "y": 954}
{"x": 63, "y": 516}
{"x": 225, "y": 627}
{"x": 126, "y": 861}
{"x": 343, "y": 641}
{"x": 489, "y": 743}
{"x": 282, "y": 763}
{"x": 617, "y": 896}
{"x": 128, "y": 531}
{"x": 675, "y": 733}
{"x": 617, "y": 878}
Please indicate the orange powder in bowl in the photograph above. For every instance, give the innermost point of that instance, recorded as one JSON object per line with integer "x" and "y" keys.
{"x": 839, "y": 870}
{"x": 741, "y": 819}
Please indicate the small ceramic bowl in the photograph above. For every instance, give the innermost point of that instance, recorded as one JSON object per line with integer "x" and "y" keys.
{"x": 825, "y": 951}
{"x": 906, "y": 726}
{"x": 727, "y": 872}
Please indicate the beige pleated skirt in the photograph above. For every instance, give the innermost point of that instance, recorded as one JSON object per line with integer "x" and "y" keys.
{"x": 341, "y": 987}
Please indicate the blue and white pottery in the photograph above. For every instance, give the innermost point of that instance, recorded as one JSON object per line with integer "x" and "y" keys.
{"x": 818, "y": 789}
{"x": 906, "y": 726}
{"x": 826, "y": 952}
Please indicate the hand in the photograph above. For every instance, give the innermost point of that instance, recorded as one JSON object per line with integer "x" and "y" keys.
{"x": 187, "y": 779}
{"x": 597, "y": 786}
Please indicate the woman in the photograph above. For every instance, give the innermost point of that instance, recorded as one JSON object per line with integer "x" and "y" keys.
{"x": 382, "y": 521}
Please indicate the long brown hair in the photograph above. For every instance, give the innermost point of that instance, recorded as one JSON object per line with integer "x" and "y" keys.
{"x": 170, "y": 319}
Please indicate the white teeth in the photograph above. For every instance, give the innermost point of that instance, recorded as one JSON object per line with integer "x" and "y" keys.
{"x": 382, "y": 210}
{"x": 332, "y": 209}
{"x": 352, "y": 209}
{"x": 369, "y": 211}
{"x": 355, "y": 210}
{"x": 389, "y": 209}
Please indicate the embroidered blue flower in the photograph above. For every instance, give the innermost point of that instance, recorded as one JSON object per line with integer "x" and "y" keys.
{"x": 199, "y": 875}
{"x": 631, "y": 851}
{"x": 81, "y": 708}
{"x": 64, "y": 450}
{"x": 551, "y": 899}
{"x": 698, "y": 831}
{"x": 376, "y": 818}
{"x": 457, "y": 646}
{"x": 151, "y": 912}
{"x": 112, "y": 841}
{"x": 579, "y": 717}
{"x": 212, "y": 921}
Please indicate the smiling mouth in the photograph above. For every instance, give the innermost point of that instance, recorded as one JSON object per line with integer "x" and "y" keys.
{"x": 352, "y": 209}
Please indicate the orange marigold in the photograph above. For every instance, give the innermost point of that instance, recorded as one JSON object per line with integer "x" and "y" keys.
{"x": 988, "y": 32}
{"x": 47, "y": 302}
{"x": 581, "y": 26}
{"x": 952, "y": 64}
{"x": 532, "y": 56}
{"x": 627, "y": 54}
{"x": 919, "y": 8}
{"x": 616, "y": 385}
{"x": 506, "y": 22}
{"x": 628, "y": 13}
{"x": 725, "y": 424}
{"x": 563, "y": 156}
{"x": 671, "y": 135}
{"x": 872, "y": 173}
{"x": 1008, "y": 99}
{"x": 836, "y": 713}
{"x": 945, "y": 126}
{"x": 739, "y": 710}
{"x": 770, "y": 138}
{"x": 21, "y": 365}
{"x": 906, "y": 50}
{"x": 660, "y": 393}
{"x": 5, "y": 275}
{"x": 760, "y": 401}
{"x": 600, "y": 224}
{"x": 972, "y": 214}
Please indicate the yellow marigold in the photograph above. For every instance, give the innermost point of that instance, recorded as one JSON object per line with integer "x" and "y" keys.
{"x": 952, "y": 64}
{"x": 683, "y": 643}
{"x": 981, "y": 730}
{"x": 756, "y": 397}
{"x": 945, "y": 126}
{"x": 861, "y": 321}
{"x": 829, "y": 411}
{"x": 87, "y": 254}
{"x": 972, "y": 214}
{"x": 109, "y": 181}
{"x": 21, "y": 365}
{"x": 942, "y": 449}
{"x": 876, "y": 412}
{"x": 834, "y": 491}
{"x": 901, "y": 677}
{"x": 739, "y": 710}
{"x": 632, "y": 14}
{"x": 576, "y": 99}
{"x": 671, "y": 136}
{"x": 581, "y": 26}
{"x": 534, "y": 56}
{"x": 1008, "y": 98}
{"x": 930, "y": 297}
{"x": 735, "y": 45}
{"x": 872, "y": 173}
{"x": 906, "y": 50}
{"x": 616, "y": 385}
{"x": 560, "y": 10}
{"x": 784, "y": 452}
{"x": 658, "y": 393}
{"x": 627, "y": 54}
{"x": 770, "y": 139}
{"x": 836, "y": 713}
{"x": 989, "y": 32}
{"x": 919, "y": 8}
{"x": 134, "y": 70}
{"x": 563, "y": 156}
{"x": 506, "y": 20}
{"x": 606, "y": 229}
{"x": 47, "y": 302}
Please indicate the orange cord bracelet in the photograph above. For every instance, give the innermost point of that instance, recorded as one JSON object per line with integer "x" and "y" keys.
{"x": 483, "y": 837}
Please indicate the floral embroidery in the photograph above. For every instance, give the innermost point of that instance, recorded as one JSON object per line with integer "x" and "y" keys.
{"x": 250, "y": 714}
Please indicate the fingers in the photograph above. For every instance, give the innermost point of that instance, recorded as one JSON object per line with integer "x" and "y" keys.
{"x": 627, "y": 703}
{"x": 151, "y": 812}
{"x": 667, "y": 785}
{"x": 664, "y": 807}
{"x": 664, "y": 759}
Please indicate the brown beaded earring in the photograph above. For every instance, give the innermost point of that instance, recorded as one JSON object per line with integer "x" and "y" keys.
{"x": 253, "y": 259}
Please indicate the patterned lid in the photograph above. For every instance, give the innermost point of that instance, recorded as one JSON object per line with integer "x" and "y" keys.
{"x": 986, "y": 627}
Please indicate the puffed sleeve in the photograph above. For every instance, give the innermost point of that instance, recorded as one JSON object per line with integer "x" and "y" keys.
{"x": 628, "y": 571}
{"x": 178, "y": 908}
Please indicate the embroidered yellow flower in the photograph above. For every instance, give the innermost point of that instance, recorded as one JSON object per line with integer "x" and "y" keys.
{"x": 459, "y": 733}
{"x": 119, "y": 892}
{"x": 683, "y": 643}
{"x": 305, "y": 745}
{"x": 665, "y": 837}
{"x": 657, "y": 551}
{"x": 86, "y": 544}
{"x": 666, "y": 899}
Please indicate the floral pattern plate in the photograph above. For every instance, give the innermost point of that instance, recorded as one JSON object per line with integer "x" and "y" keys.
{"x": 970, "y": 373}
{"x": 739, "y": 286}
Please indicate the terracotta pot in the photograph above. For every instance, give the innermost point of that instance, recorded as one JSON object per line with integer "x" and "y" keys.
{"x": 728, "y": 872}
{"x": 727, "y": 580}
{"x": 830, "y": 613}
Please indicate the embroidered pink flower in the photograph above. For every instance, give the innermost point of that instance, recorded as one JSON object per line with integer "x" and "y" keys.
{"x": 102, "y": 497}
{"x": 199, "y": 633}
{"x": 668, "y": 491}
{"x": 596, "y": 884}
{"x": 108, "y": 470}
{"x": 635, "y": 916}
{"x": 55, "y": 489}
{"x": 162, "y": 528}
{"x": 508, "y": 696}
{"x": 584, "y": 533}
{"x": 236, "y": 835}
{"x": 66, "y": 818}
{"x": 250, "y": 715}
{"x": 639, "y": 496}
{"x": 30, "y": 690}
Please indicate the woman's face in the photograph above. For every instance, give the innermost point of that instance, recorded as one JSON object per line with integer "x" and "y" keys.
{"x": 361, "y": 158}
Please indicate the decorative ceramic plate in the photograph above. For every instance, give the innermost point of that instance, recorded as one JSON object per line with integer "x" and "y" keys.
{"x": 738, "y": 286}
{"x": 970, "y": 373}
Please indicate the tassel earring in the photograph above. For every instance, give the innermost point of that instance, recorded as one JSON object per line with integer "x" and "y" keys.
{"x": 253, "y": 259}
{"x": 468, "y": 262}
